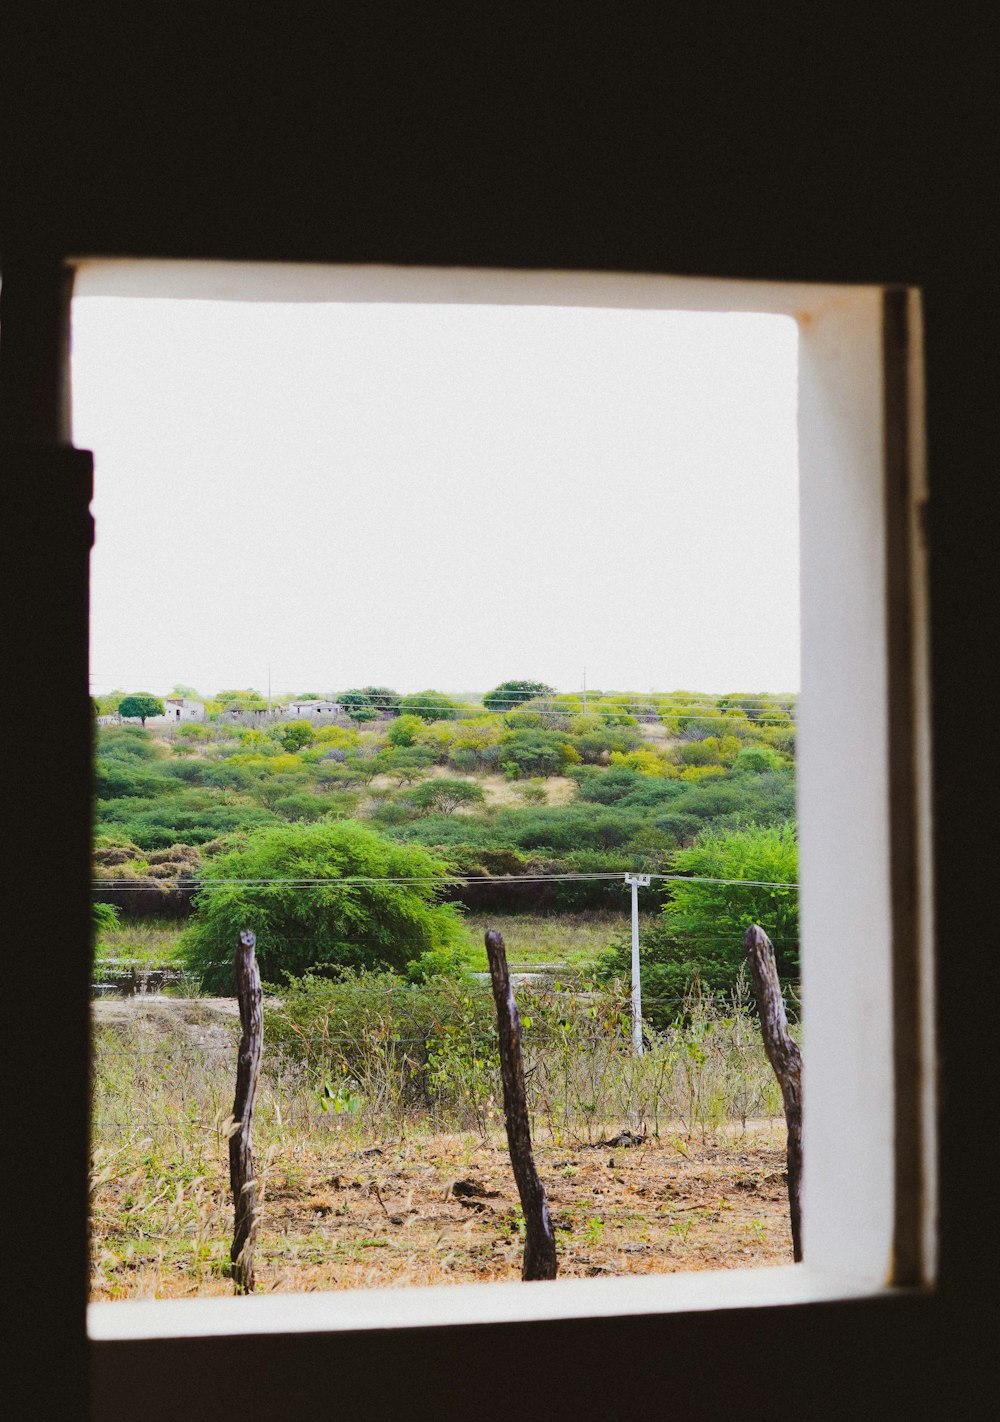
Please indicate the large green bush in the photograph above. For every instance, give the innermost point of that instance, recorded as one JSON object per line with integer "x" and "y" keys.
{"x": 326, "y": 926}
{"x": 699, "y": 934}
{"x": 429, "y": 706}
{"x": 534, "y": 752}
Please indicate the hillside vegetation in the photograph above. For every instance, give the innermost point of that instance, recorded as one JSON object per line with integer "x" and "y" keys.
{"x": 504, "y": 795}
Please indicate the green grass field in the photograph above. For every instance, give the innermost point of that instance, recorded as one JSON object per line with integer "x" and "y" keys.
{"x": 533, "y": 941}
{"x": 150, "y": 942}
{"x": 568, "y": 941}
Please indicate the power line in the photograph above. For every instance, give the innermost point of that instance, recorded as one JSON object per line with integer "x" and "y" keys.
{"x": 444, "y": 881}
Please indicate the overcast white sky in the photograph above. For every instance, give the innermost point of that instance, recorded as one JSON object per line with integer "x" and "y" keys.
{"x": 438, "y": 496}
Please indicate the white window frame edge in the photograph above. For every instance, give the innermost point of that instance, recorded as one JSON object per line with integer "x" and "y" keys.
{"x": 869, "y": 1184}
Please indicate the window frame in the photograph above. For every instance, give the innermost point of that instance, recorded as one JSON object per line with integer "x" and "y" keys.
{"x": 864, "y": 785}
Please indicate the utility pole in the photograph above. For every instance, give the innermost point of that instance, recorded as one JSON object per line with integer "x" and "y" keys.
{"x": 585, "y": 691}
{"x": 269, "y": 688}
{"x": 637, "y": 881}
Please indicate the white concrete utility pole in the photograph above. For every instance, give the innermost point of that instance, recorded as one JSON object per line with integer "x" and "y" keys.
{"x": 637, "y": 881}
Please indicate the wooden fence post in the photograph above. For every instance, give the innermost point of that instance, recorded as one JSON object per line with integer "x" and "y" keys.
{"x": 539, "y": 1237}
{"x": 241, "y": 1174}
{"x": 785, "y": 1058}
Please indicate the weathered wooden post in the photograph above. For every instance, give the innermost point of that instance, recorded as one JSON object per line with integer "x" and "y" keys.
{"x": 539, "y": 1237}
{"x": 785, "y": 1058}
{"x": 241, "y": 1174}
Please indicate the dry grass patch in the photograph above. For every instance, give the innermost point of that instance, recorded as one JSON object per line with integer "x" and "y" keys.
{"x": 554, "y": 941}
{"x": 355, "y": 1196}
{"x": 558, "y": 789}
{"x": 432, "y": 1209}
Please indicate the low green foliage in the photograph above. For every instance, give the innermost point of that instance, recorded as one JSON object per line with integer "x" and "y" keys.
{"x": 358, "y": 705}
{"x": 324, "y": 925}
{"x": 400, "y": 1052}
{"x": 699, "y": 934}
{"x": 105, "y": 918}
{"x": 404, "y": 730}
{"x": 536, "y": 752}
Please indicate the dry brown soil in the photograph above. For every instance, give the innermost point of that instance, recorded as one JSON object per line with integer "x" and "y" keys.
{"x": 438, "y": 1209}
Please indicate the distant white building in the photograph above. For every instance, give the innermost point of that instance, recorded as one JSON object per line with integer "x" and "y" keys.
{"x": 177, "y": 711}
{"x": 309, "y": 710}
{"x": 183, "y": 708}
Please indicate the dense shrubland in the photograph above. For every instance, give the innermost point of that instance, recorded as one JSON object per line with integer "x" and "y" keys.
{"x": 526, "y": 783}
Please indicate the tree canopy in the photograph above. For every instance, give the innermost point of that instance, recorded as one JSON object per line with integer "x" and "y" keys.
{"x": 326, "y": 926}
{"x": 249, "y": 697}
{"x": 512, "y": 693}
{"x": 429, "y": 706}
{"x": 445, "y": 796}
{"x": 738, "y": 877}
{"x": 294, "y": 735}
{"x": 140, "y": 704}
{"x": 357, "y": 704}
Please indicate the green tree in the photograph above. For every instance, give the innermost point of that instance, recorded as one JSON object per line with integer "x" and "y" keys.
{"x": 235, "y": 700}
{"x": 738, "y": 877}
{"x": 109, "y": 704}
{"x": 384, "y": 699}
{"x": 746, "y": 876}
{"x": 403, "y": 731}
{"x": 293, "y": 735}
{"x": 389, "y": 921}
{"x": 362, "y": 766}
{"x": 613, "y": 709}
{"x": 756, "y": 760}
{"x": 511, "y": 693}
{"x": 444, "y": 796}
{"x": 429, "y": 706}
{"x": 537, "y": 753}
{"x": 140, "y": 704}
{"x": 358, "y": 705}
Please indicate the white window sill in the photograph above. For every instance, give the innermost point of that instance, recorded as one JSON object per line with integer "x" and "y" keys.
{"x": 444, "y": 1305}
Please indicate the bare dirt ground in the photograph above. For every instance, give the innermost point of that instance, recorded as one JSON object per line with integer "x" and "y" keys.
{"x": 498, "y": 790}
{"x": 208, "y": 1023}
{"x": 342, "y": 1207}
{"x": 657, "y": 732}
{"x": 444, "y": 1208}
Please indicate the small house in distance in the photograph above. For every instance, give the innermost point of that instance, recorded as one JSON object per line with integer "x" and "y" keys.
{"x": 309, "y": 710}
{"x": 179, "y": 709}
{"x": 176, "y": 711}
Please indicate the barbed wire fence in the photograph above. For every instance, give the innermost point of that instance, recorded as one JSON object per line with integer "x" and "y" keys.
{"x": 398, "y": 1051}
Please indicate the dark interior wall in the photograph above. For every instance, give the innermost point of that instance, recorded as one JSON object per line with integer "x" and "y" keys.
{"x": 736, "y": 143}
{"x": 731, "y": 140}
